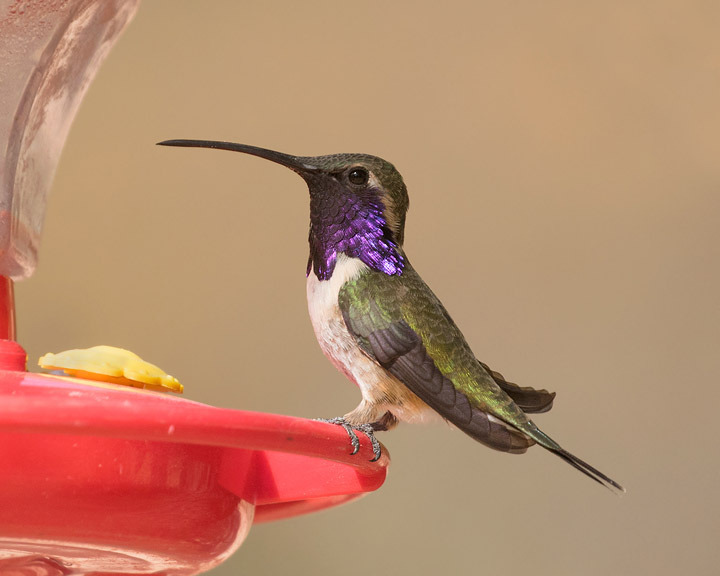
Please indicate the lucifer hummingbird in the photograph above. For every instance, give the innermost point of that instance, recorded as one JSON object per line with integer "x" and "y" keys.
{"x": 382, "y": 326}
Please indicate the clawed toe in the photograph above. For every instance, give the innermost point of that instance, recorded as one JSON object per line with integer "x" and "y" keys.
{"x": 366, "y": 429}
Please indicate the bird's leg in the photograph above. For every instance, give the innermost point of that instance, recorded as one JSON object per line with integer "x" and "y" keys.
{"x": 349, "y": 428}
{"x": 386, "y": 422}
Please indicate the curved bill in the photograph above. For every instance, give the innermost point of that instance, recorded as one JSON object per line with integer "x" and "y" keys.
{"x": 296, "y": 163}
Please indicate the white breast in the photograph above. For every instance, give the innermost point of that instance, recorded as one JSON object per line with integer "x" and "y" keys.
{"x": 330, "y": 330}
{"x": 380, "y": 390}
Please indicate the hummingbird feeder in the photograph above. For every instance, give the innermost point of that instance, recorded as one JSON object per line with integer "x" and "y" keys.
{"x": 98, "y": 477}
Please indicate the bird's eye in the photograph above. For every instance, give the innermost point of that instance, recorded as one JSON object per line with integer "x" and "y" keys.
{"x": 358, "y": 176}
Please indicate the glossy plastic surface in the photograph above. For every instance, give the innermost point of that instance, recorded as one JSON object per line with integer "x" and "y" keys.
{"x": 49, "y": 53}
{"x": 103, "y": 479}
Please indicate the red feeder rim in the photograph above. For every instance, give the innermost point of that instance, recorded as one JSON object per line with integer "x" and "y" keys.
{"x": 92, "y": 472}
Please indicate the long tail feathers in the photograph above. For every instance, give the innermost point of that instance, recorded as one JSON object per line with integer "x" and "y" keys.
{"x": 589, "y": 471}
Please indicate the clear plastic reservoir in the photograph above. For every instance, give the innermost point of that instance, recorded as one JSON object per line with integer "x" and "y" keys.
{"x": 49, "y": 53}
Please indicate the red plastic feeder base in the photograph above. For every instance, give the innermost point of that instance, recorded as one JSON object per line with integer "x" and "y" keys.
{"x": 104, "y": 479}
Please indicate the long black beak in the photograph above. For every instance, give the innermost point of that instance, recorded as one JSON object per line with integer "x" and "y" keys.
{"x": 299, "y": 164}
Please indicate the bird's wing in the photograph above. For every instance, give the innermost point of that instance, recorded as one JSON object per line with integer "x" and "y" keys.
{"x": 401, "y": 325}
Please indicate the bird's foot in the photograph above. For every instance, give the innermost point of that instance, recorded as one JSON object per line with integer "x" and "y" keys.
{"x": 366, "y": 429}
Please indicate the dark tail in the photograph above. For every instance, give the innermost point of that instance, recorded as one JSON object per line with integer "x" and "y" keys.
{"x": 589, "y": 471}
{"x": 529, "y": 400}
{"x": 546, "y": 442}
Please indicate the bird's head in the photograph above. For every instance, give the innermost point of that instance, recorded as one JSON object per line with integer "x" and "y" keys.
{"x": 358, "y": 205}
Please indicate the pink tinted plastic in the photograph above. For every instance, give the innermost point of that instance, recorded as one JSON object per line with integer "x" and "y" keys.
{"x": 7, "y": 318}
{"x": 111, "y": 480}
{"x": 49, "y": 53}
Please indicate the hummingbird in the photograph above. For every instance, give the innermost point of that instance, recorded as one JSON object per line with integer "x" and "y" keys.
{"x": 381, "y": 325}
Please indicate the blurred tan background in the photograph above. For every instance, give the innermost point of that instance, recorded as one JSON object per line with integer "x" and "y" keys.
{"x": 563, "y": 165}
